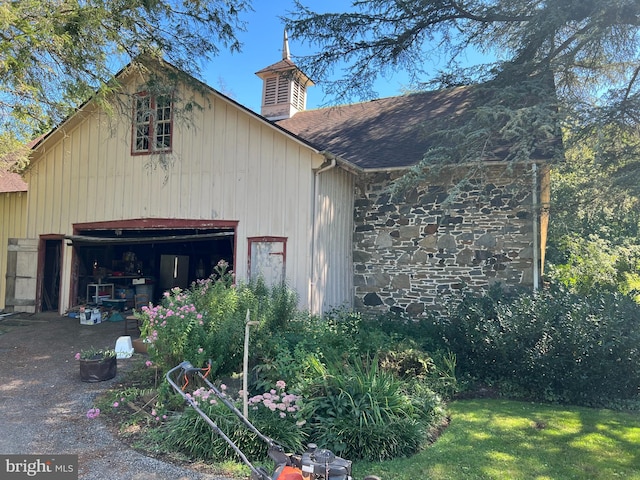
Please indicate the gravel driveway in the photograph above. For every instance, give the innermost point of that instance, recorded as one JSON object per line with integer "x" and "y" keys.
{"x": 43, "y": 403}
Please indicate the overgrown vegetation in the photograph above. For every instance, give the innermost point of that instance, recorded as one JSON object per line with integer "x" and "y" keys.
{"x": 554, "y": 346}
{"x": 351, "y": 386}
{"x": 371, "y": 389}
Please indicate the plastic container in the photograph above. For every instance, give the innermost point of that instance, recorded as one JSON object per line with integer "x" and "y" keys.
{"x": 98, "y": 300}
{"x": 124, "y": 347}
{"x": 146, "y": 289}
{"x": 90, "y": 316}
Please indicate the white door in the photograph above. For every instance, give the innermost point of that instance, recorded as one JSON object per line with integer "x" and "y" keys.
{"x": 267, "y": 258}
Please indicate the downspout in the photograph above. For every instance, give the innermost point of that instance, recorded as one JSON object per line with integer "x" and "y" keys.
{"x": 536, "y": 229}
{"x": 314, "y": 235}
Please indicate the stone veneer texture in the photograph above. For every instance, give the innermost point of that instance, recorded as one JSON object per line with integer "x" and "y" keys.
{"x": 410, "y": 255}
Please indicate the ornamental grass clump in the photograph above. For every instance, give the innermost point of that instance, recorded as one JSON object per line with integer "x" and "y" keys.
{"x": 360, "y": 411}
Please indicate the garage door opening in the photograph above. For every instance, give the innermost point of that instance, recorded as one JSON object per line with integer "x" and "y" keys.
{"x": 121, "y": 260}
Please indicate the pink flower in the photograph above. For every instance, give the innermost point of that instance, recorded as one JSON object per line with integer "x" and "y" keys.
{"x": 93, "y": 413}
{"x": 223, "y": 387}
{"x": 281, "y": 384}
{"x": 78, "y": 356}
{"x": 148, "y": 363}
{"x": 200, "y": 350}
{"x": 115, "y": 404}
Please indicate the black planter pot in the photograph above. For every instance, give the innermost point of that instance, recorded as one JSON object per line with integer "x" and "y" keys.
{"x": 98, "y": 370}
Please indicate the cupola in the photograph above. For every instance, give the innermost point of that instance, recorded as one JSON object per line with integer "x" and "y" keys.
{"x": 284, "y": 87}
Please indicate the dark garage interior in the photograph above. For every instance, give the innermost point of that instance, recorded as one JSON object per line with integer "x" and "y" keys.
{"x": 119, "y": 263}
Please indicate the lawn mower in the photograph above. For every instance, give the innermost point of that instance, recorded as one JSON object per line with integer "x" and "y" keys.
{"x": 314, "y": 464}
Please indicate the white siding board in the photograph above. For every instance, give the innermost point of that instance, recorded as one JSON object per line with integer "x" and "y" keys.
{"x": 228, "y": 165}
{"x": 333, "y": 256}
{"x": 13, "y": 224}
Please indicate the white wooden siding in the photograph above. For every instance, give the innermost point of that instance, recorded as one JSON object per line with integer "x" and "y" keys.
{"x": 228, "y": 165}
{"x": 13, "y": 224}
{"x": 333, "y": 267}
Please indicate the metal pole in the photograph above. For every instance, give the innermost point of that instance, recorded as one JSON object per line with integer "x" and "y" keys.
{"x": 245, "y": 366}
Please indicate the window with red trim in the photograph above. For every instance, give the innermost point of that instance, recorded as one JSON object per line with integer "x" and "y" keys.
{"x": 152, "y": 124}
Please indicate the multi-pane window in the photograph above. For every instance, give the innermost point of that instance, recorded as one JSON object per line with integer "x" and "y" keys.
{"x": 152, "y": 124}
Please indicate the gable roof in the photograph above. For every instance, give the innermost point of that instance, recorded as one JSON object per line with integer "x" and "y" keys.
{"x": 88, "y": 104}
{"x": 12, "y": 182}
{"x": 389, "y": 133}
{"x": 379, "y": 134}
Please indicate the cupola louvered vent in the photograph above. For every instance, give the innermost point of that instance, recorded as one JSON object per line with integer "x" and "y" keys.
{"x": 284, "y": 90}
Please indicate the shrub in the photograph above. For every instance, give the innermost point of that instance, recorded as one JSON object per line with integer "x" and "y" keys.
{"x": 207, "y": 321}
{"x": 553, "y": 346}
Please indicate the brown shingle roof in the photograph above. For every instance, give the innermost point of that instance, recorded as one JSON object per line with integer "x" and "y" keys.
{"x": 11, "y": 182}
{"x": 384, "y": 133}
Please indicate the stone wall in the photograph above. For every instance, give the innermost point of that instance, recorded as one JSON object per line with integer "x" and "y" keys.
{"x": 411, "y": 254}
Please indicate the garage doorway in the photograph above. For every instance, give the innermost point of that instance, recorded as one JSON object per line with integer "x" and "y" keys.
{"x": 146, "y": 256}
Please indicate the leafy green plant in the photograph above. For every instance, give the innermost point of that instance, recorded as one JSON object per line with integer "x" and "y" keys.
{"x": 360, "y": 411}
{"x": 93, "y": 353}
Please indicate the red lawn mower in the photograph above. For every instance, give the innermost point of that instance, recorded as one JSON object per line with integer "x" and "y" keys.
{"x": 314, "y": 464}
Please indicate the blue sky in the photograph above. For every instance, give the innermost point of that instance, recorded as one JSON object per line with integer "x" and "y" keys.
{"x": 234, "y": 74}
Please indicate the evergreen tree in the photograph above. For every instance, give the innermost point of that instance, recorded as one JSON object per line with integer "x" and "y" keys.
{"x": 56, "y": 54}
{"x": 589, "y": 47}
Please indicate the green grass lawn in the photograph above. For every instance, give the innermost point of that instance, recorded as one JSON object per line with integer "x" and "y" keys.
{"x": 499, "y": 439}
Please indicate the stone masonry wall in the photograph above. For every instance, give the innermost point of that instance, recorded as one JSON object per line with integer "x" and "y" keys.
{"x": 410, "y": 255}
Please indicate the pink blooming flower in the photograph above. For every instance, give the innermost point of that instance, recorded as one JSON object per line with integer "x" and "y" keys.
{"x": 115, "y": 404}
{"x": 283, "y": 415}
{"x": 200, "y": 350}
{"x": 223, "y": 387}
{"x": 148, "y": 363}
{"x": 281, "y": 384}
{"x": 93, "y": 413}
{"x": 78, "y": 356}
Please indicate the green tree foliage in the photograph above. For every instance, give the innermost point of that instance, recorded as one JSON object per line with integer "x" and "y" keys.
{"x": 590, "y": 47}
{"x": 55, "y": 55}
{"x": 593, "y": 237}
{"x": 587, "y": 44}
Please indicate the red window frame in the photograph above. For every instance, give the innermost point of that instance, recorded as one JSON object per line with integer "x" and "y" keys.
{"x": 152, "y": 124}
